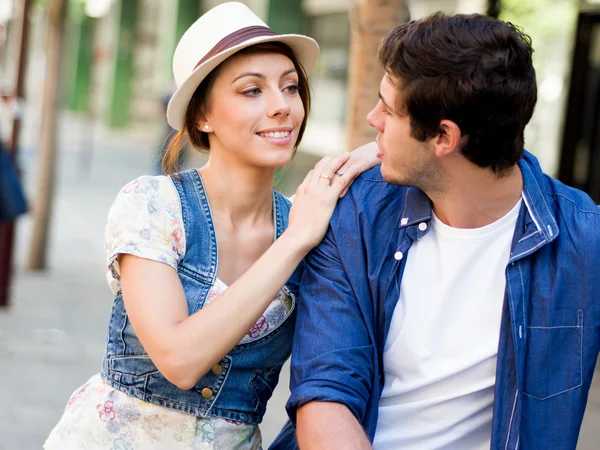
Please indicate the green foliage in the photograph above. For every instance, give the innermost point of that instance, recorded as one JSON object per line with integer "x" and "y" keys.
{"x": 541, "y": 19}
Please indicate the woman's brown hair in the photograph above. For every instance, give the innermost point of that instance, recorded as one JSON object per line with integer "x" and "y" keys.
{"x": 200, "y": 101}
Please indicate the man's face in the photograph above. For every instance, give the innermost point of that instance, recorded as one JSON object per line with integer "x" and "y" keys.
{"x": 404, "y": 160}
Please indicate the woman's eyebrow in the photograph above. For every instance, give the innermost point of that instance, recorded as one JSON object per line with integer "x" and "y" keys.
{"x": 249, "y": 74}
{"x": 287, "y": 72}
{"x": 261, "y": 76}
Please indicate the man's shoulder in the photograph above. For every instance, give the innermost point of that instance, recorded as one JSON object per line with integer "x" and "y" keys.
{"x": 566, "y": 202}
{"x": 577, "y": 217}
{"x": 571, "y": 203}
{"x": 371, "y": 177}
{"x": 370, "y": 201}
{"x": 371, "y": 188}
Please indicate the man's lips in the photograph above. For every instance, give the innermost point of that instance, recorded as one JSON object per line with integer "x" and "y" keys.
{"x": 379, "y": 153}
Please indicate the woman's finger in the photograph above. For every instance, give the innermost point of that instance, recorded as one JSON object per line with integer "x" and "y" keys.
{"x": 307, "y": 181}
{"x": 343, "y": 182}
{"x": 326, "y": 168}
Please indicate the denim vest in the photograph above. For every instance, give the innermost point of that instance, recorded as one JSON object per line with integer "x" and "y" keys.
{"x": 239, "y": 386}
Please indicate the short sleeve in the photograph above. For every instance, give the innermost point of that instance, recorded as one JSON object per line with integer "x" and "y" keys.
{"x": 145, "y": 220}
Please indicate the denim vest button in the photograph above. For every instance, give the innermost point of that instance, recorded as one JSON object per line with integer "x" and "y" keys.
{"x": 207, "y": 393}
{"x": 217, "y": 369}
{"x": 422, "y": 226}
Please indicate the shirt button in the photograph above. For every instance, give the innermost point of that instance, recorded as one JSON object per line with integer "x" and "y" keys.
{"x": 422, "y": 226}
{"x": 206, "y": 393}
{"x": 217, "y": 369}
{"x": 404, "y": 221}
{"x": 398, "y": 255}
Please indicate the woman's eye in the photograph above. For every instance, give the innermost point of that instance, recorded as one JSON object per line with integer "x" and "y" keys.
{"x": 292, "y": 89}
{"x": 252, "y": 92}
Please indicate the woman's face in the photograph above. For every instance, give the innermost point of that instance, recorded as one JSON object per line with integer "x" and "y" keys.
{"x": 255, "y": 110}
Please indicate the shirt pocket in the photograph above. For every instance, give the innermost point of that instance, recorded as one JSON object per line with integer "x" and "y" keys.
{"x": 553, "y": 353}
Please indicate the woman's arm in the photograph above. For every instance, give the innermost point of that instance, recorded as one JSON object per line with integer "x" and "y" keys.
{"x": 184, "y": 347}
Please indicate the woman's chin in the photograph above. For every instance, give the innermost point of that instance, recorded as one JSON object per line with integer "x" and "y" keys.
{"x": 279, "y": 159}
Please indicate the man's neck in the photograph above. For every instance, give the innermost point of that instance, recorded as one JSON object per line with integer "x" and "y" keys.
{"x": 477, "y": 197}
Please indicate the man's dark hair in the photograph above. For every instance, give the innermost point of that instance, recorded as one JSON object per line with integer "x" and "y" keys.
{"x": 471, "y": 69}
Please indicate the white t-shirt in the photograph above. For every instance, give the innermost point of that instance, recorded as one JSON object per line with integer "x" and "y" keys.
{"x": 440, "y": 353}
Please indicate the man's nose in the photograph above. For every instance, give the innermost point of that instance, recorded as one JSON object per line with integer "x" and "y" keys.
{"x": 373, "y": 119}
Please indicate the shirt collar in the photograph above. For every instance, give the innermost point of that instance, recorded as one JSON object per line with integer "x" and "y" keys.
{"x": 535, "y": 198}
{"x": 417, "y": 206}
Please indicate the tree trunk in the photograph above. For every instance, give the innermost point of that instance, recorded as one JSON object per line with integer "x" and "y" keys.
{"x": 42, "y": 208}
{"x": 370, "y": 20}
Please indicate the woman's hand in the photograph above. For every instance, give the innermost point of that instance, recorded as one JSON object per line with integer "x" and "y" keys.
{"x": 316, "y": 198}
{"x": 362, "y": 159}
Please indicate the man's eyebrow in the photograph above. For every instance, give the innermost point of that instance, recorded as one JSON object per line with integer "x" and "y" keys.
{"x": 261, "y": 76}
{"x": 383, "y": 101}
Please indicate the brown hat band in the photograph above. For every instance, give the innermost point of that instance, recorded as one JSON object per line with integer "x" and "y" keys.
{"x": 235, "y": 38}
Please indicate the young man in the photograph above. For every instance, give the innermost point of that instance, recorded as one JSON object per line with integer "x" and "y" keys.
{"x": 454, "y": 302}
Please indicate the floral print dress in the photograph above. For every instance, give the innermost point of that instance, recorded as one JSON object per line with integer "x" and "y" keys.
{"x": 145, "y": 220}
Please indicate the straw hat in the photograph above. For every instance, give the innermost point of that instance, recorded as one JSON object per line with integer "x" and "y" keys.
{"x": 214, "y": 37}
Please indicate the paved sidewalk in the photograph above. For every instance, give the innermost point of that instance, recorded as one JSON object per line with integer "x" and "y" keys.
{"x": 52, "y": 337}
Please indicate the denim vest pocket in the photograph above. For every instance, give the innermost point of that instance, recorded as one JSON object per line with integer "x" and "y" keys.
{"x": 196, "y": 287}
{"x": 132, "y": 370}
{"x": 553, "y": 354}
{"x": 135, "y": 365}
{"x": 263, "y": 385}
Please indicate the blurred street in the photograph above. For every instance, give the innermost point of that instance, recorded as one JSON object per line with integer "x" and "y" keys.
{"x": 52, "y": 336}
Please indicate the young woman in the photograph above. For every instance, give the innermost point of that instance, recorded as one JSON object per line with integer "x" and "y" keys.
{"x": 202, "y": 262}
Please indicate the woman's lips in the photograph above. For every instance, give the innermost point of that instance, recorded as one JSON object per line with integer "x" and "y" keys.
{"x": 280, "y": 141}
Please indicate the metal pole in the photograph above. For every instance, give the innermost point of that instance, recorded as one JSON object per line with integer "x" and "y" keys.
{"x": 7, "y": 230}
{"x": 494, "y": 8}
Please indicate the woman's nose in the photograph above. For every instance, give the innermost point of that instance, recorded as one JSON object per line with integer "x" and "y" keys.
{"x": 278, "y": 105}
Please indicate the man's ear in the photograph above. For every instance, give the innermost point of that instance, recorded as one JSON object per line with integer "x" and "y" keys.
{"x": 449, "y": 140}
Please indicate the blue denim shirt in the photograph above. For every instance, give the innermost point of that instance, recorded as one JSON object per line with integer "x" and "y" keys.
{"x": 550, "y": 332}
{"x": 239, "y": 386}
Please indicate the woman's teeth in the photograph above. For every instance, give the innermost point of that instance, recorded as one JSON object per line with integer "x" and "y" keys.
{"x": 276, "y": 134}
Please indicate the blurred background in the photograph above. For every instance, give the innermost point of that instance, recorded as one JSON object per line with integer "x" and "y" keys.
{"x": 84, "y": 85}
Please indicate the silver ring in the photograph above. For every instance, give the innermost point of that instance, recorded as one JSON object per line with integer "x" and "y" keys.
{"x": 325, "y": 176}
{"x": 339, "y": 173}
